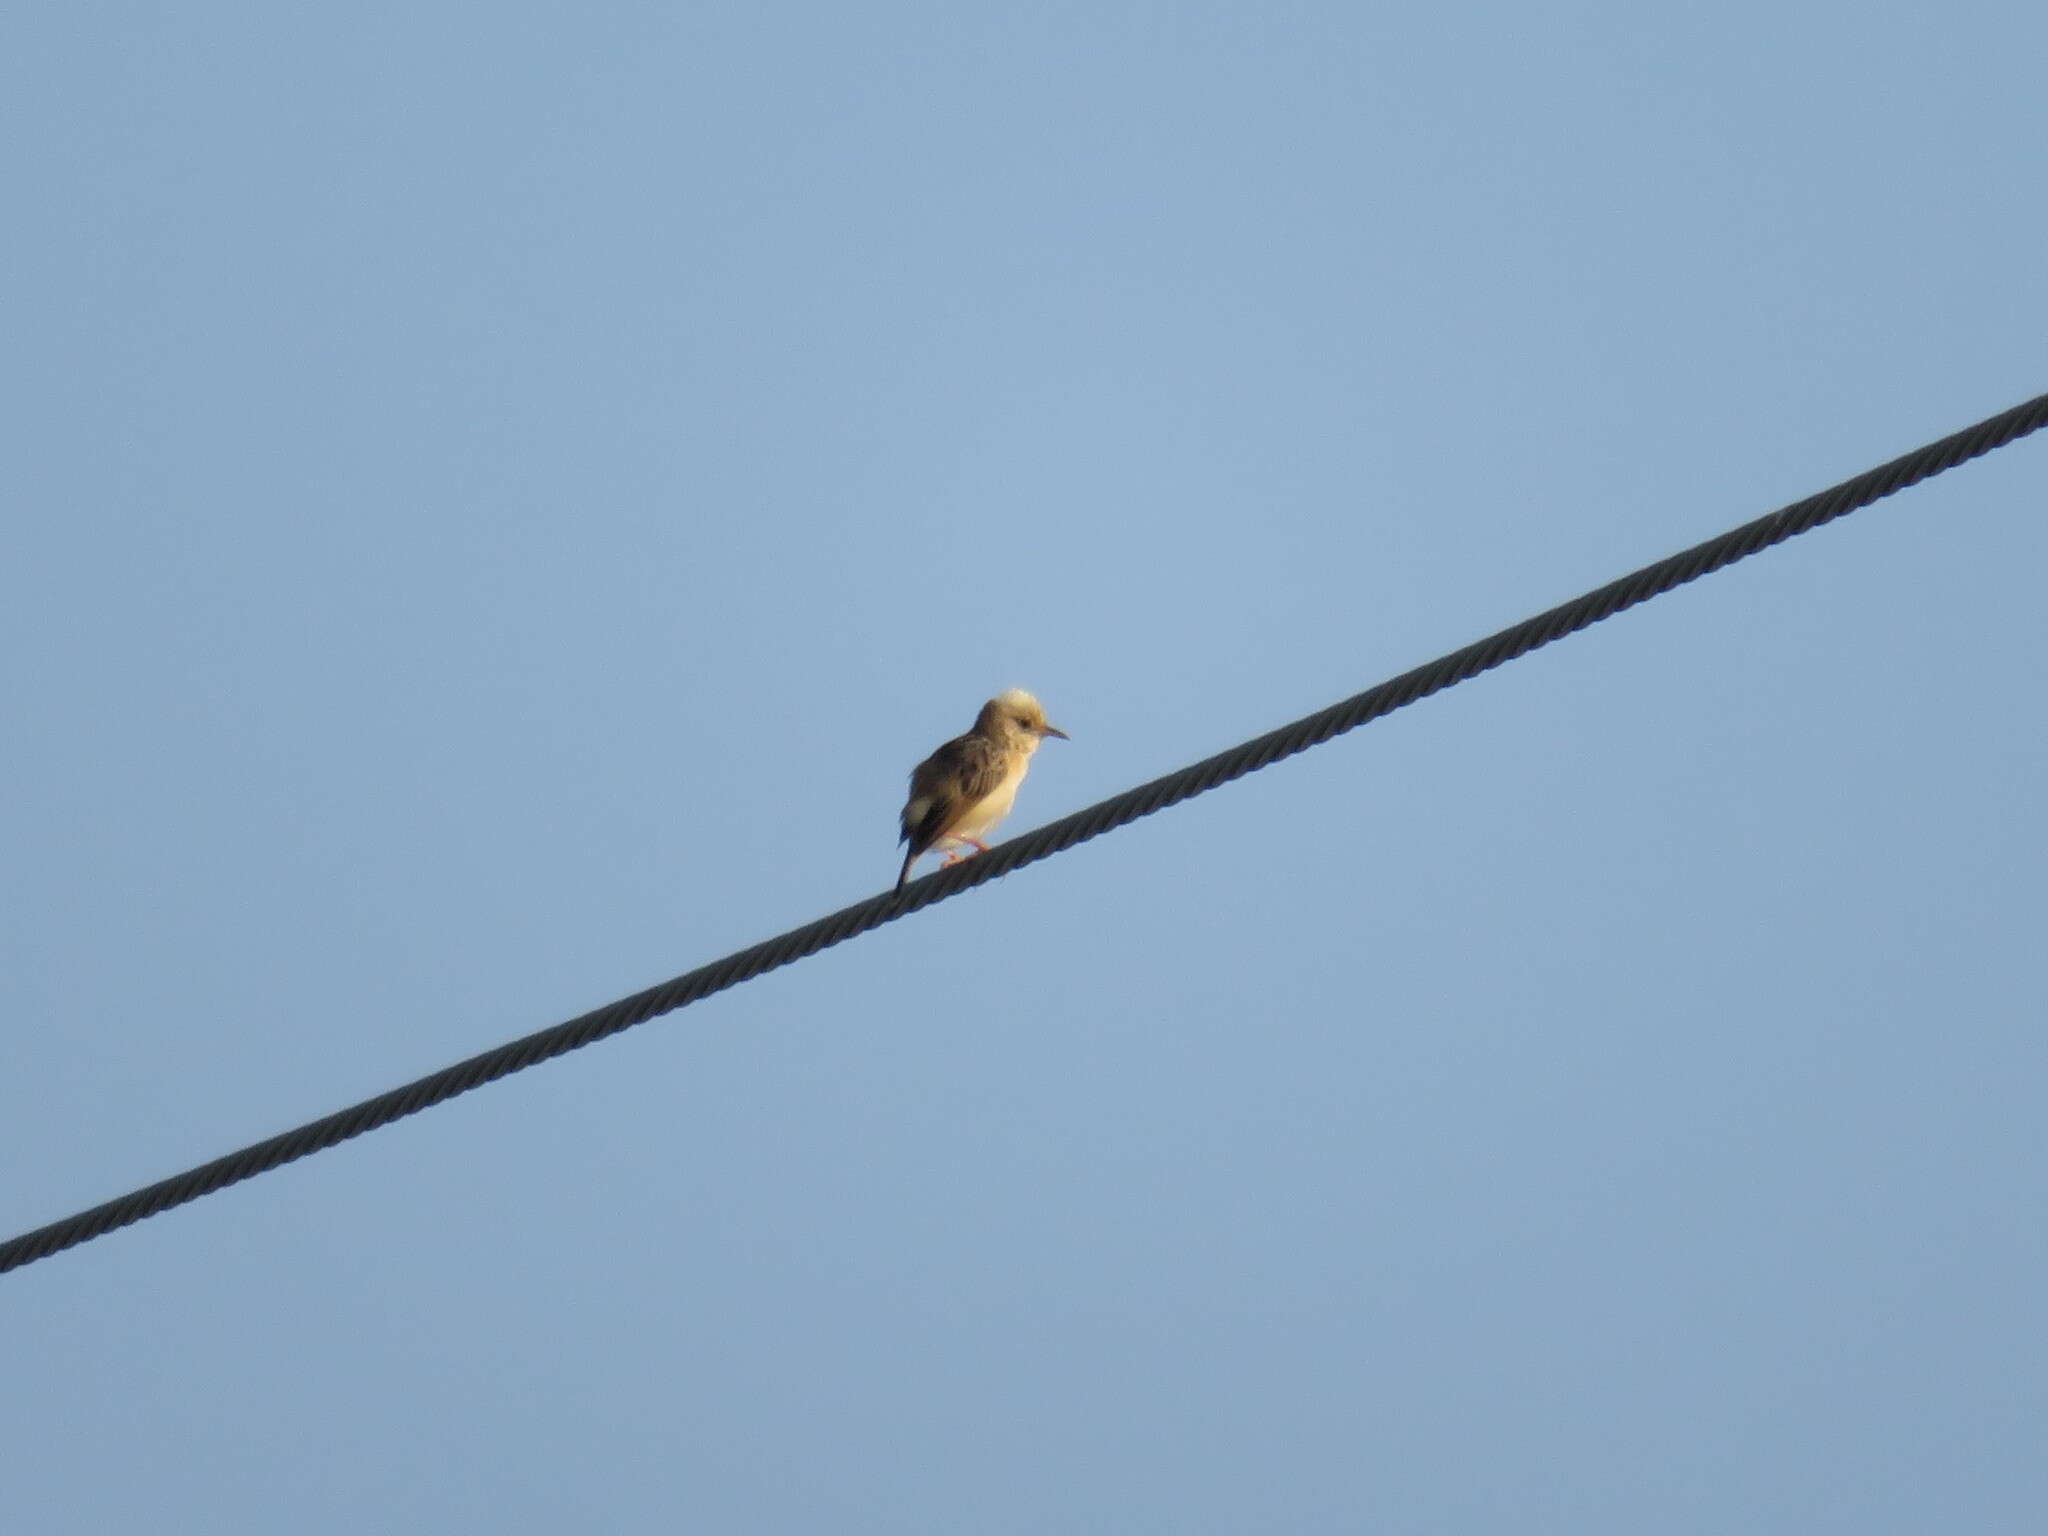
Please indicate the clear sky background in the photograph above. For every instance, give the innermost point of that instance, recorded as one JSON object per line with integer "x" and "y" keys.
{"x": 499, "y": 496}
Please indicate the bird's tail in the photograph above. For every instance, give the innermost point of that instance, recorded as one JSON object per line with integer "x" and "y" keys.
{"x": 909, "y": 859}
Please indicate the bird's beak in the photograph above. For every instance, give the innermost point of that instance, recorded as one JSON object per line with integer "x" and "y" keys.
{"x": 1053, "y": 730}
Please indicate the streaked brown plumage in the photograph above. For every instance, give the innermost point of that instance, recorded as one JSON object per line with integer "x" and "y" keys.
{"x": 960, "y": 792}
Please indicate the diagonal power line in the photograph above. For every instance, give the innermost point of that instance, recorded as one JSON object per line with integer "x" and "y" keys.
{"x": 1054, "y": 837}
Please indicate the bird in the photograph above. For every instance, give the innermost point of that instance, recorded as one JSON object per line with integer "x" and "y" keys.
{"x": 960, "y": 792}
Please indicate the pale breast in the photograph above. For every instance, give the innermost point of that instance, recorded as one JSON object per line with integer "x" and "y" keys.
{"x": 981, "y": 818}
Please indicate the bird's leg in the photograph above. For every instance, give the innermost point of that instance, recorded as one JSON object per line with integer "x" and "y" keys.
{"x": 979, "y": 845}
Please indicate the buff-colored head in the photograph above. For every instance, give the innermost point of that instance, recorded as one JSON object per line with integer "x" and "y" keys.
{"x": 1016, "y": 713}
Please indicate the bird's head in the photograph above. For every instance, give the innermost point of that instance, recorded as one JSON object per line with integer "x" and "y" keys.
{"x": 1019, "y": 711}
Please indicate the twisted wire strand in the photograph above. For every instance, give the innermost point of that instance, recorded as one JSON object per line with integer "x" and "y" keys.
{"x": 1054, "y": 837}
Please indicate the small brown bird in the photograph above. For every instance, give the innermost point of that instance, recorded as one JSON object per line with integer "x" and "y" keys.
{"x": 960, "y": 792}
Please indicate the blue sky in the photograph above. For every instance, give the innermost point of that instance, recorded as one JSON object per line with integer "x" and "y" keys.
{"x": 501, "y": 496}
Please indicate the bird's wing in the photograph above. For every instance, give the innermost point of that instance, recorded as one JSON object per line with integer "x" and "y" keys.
{"x": 954, "y": 779}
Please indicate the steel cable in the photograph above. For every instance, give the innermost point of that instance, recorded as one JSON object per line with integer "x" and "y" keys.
{"x": 1054, "y": 837}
